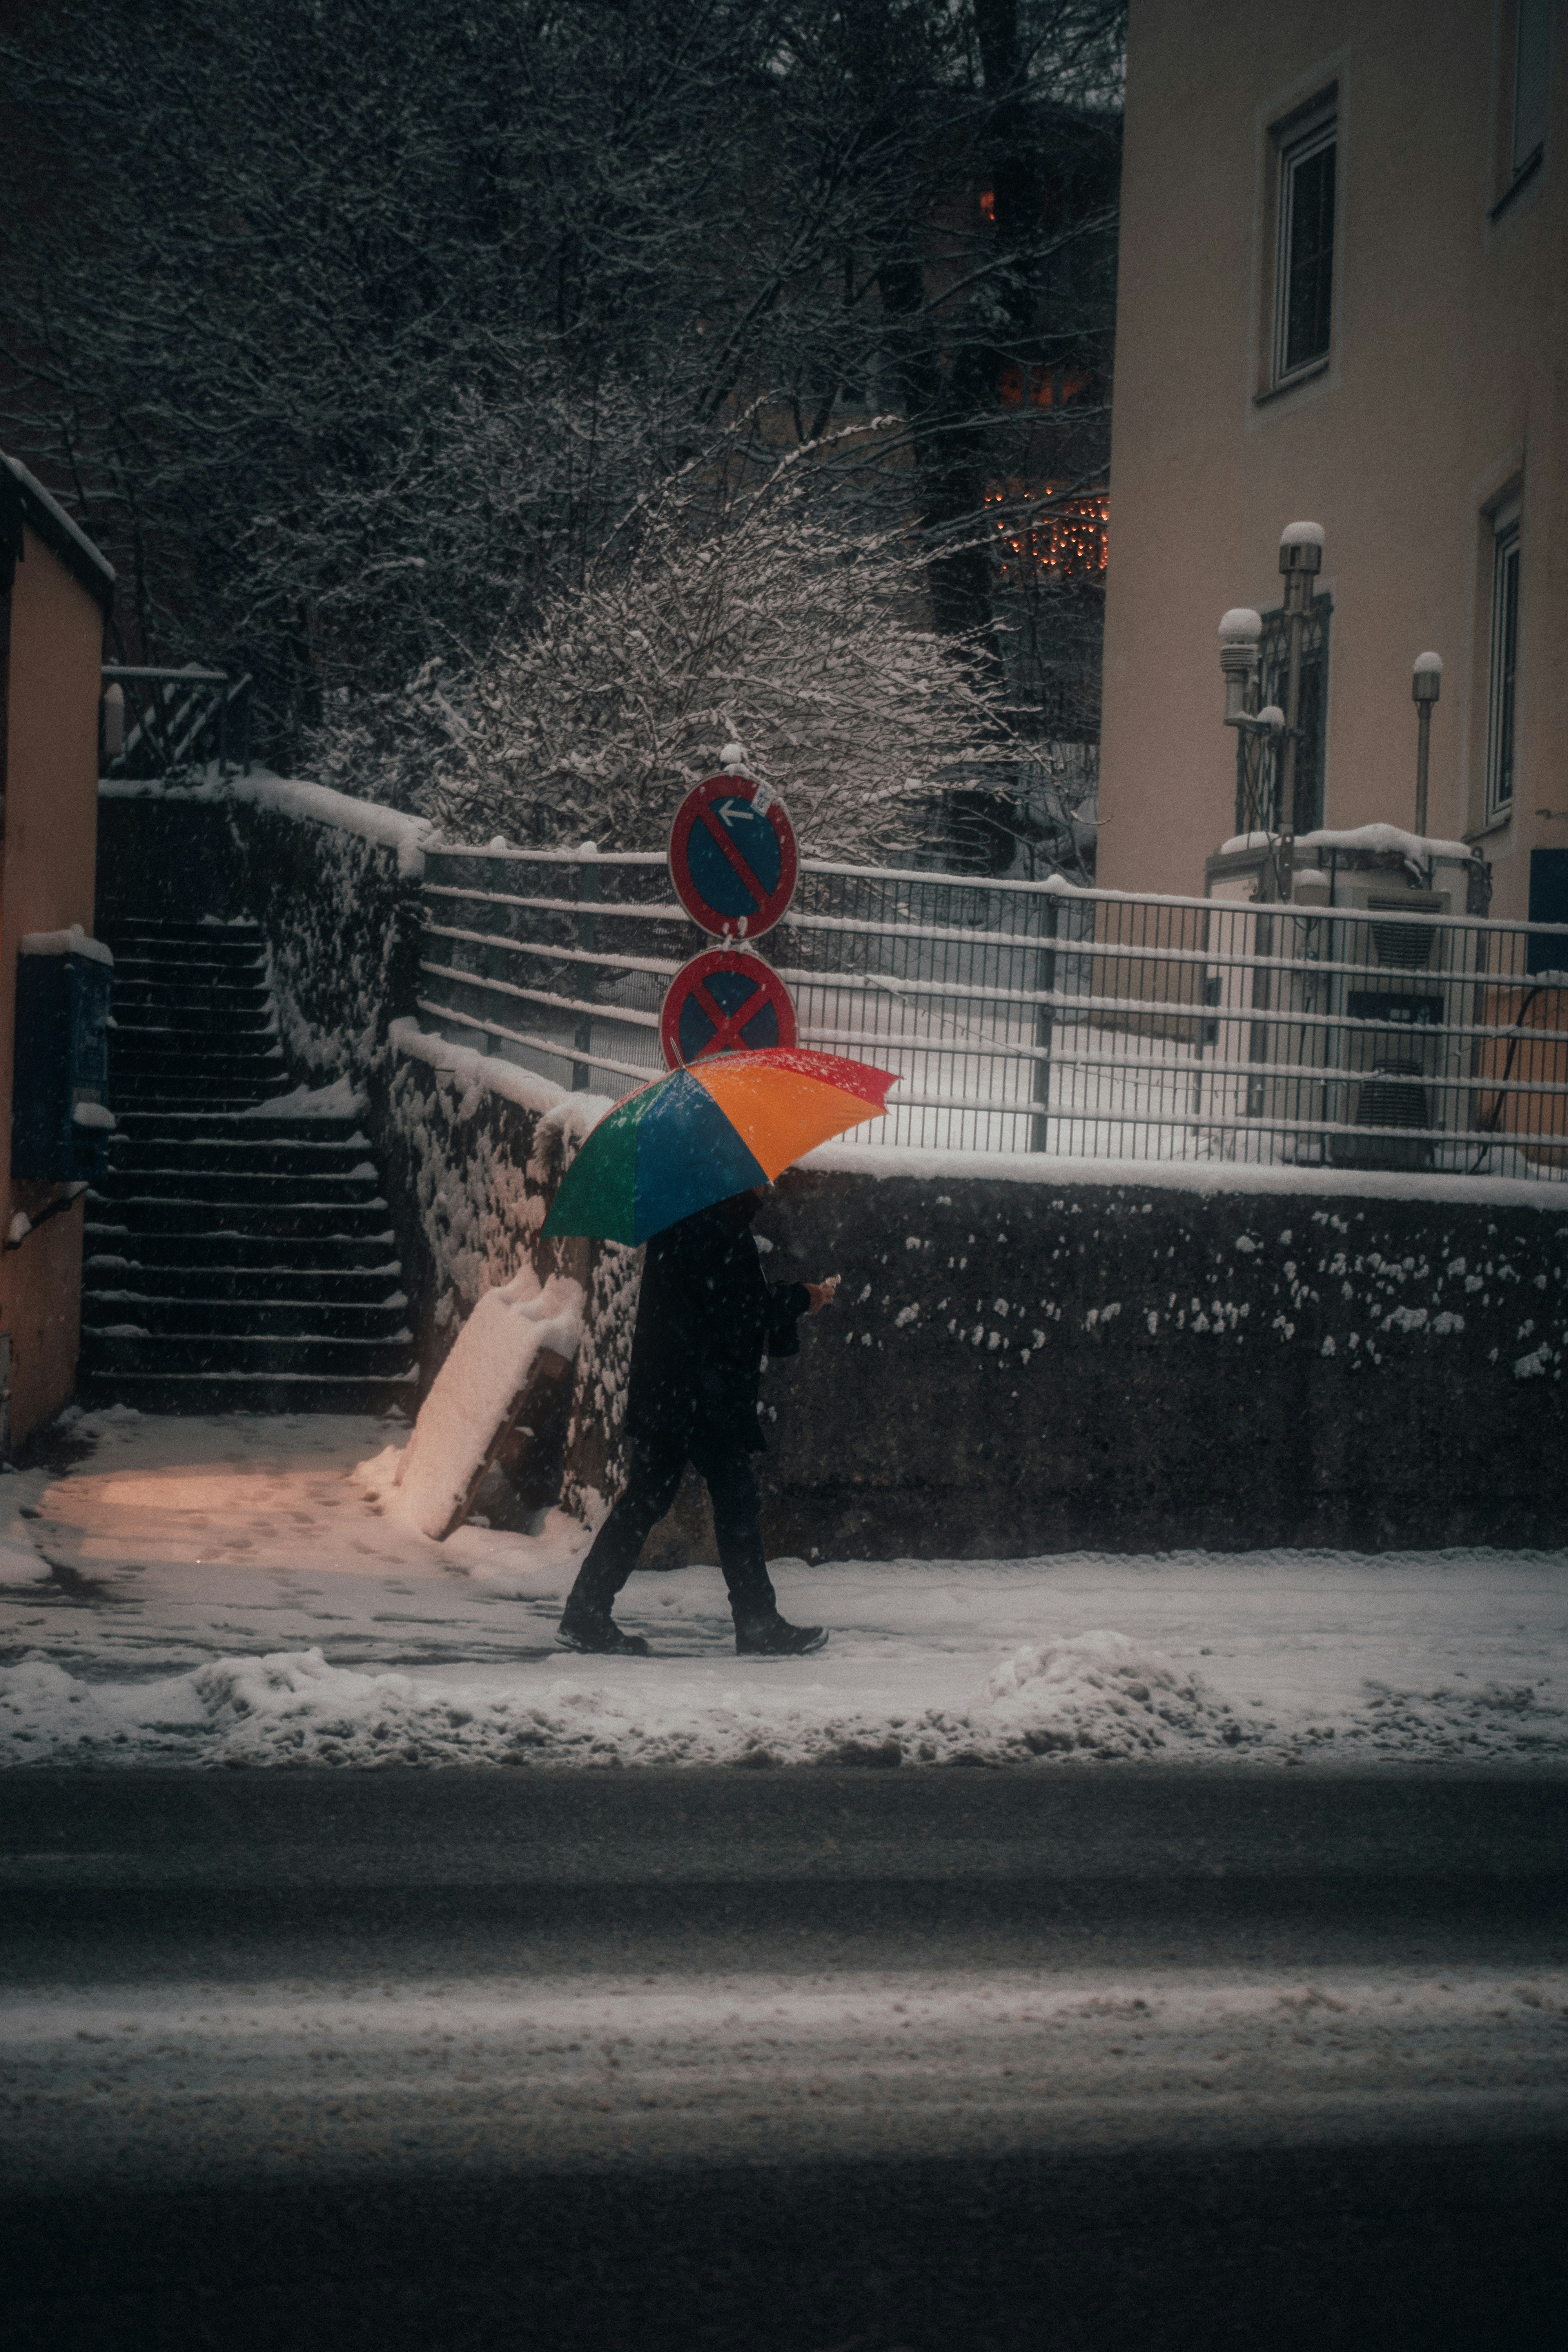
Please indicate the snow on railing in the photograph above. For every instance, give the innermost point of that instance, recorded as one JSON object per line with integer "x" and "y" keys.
{"x": 1385, "y": 1031}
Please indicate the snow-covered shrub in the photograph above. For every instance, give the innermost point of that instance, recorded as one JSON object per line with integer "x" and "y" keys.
{"x": 771, "y": 616}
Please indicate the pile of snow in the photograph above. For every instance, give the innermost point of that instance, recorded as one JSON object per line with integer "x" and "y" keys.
{"x": 475, "y": 1390}
{"x": 294, "y": 796}
{"x": 565, "y": 1118}
{"x": 1096, "y": 1698}
{"x": 1376, "y": 839}
{"x": 1105, "y": 1696}
{"x": 74, "y": 941}
{"x": 480, "y": 1073}
{"x": 341, "y": 1099}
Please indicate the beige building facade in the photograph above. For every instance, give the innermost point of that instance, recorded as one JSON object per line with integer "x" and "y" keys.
{"x": 1343, "y": 298}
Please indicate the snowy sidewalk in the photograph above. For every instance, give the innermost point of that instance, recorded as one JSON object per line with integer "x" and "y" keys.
{"x": 245, "y": 1589}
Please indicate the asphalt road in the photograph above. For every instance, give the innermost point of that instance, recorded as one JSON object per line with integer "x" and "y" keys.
{"x": 827, "y": 2061}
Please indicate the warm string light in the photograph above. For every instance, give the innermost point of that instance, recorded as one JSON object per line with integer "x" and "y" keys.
{"x": 1044, "y": 387}
{"x": 1070, "y": 543}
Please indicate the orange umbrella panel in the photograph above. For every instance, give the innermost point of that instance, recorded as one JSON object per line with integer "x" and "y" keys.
{"x": 780, "y": 1111}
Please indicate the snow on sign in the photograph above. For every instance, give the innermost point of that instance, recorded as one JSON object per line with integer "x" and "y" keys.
{"x": 725, "y": 1001}
{"x": 732, "y": 858}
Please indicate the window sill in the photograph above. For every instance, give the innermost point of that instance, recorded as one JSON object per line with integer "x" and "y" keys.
{"x": 1527, "y": 172}
{"x": 1493, "y": 824}
{"x": 1291, "y": 384}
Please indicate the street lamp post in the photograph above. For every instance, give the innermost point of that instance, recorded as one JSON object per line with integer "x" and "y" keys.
{"x": 1301, "y": 560}
{"x": 1239, "y": 631}
{"x": 1425, "y": 685}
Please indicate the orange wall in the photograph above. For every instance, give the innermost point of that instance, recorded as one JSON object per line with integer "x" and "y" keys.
{"x": 45, "y": 883}
{"x": 1448, "y": 377}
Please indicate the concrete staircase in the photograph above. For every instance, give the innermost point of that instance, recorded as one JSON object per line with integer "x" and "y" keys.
{"x": 237, "y": 1258}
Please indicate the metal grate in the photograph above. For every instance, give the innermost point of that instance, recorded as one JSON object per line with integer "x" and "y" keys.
{"x": 1025, "y": 1017}
{"x": 1407, "y": 947}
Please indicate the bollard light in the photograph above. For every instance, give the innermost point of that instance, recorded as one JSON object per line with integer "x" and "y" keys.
{"x": 1301, "y": 547}
{"x": 1239, "y": 631}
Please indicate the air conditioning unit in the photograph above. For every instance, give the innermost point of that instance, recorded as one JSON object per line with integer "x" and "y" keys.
{"x": 1400, "y": 986}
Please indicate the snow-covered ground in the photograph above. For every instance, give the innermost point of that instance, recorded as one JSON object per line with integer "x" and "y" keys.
{"x": 246, "y": 1589}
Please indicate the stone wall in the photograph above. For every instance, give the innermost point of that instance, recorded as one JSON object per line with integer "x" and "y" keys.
{"x": 1021, "y": 1367}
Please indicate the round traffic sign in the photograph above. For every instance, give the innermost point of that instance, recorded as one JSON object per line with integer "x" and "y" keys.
{"x": 724, "y": 1002}
{"x": 732, "y": 858}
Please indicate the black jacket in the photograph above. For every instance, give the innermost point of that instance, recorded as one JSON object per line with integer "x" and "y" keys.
{"x": 706, "y": 1318}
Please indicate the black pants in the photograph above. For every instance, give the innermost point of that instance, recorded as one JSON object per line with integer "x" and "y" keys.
{"x": 654, "y": 1472}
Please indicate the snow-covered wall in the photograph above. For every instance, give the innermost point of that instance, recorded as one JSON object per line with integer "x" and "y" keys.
{"x": 342, "y": 919}
{"x": 1021, "y": 1366}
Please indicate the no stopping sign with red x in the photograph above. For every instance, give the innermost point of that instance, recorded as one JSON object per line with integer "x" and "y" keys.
{"x": 724, "y": 1002}
{"x": 732, "y": 858}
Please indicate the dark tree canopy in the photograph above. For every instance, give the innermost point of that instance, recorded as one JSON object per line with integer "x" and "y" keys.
{"x": 354, "y": 328}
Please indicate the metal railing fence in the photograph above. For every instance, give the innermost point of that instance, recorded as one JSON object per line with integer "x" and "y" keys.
{"x": 1387, "y": 1032}
{"x": 179, "y": 719}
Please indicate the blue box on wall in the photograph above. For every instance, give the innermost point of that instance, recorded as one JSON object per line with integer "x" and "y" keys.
{"x": 1548, "y": 904}
{"x": 60, "y": 1119}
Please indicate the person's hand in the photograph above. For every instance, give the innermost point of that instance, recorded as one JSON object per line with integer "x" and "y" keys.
{"x": 822, "y": 1294}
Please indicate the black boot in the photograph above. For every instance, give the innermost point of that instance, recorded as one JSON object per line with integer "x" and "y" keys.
{"x": 597, "y": 1633}
{"x": 771, "y": 1637}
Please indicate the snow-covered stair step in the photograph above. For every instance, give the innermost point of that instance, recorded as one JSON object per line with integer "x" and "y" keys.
{"x": 242, "y": 1153}
{"x": 283, "y": 1254}
{"x": 172, "y": 976}
{"x": 140, "y": 1091}
{"x": 157, "y": 1044}
{"x": 228, "y": 1390}
{"x": 130, "y": 1348}
{"x": 210, "y": 1014}
{"x": 286, "y": 1219}
{"x": 109, "y": 1273}
{"x": 190, "y": 1080}
{"x": 225, "y": 1187}
{"x": 154, "y": 963}
{"x": 257, "y": 1124}
{"x": 261, "y": 1318}
{"x": 195, "y": 944}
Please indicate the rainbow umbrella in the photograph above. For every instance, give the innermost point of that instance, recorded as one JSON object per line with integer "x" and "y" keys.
{"x": 705, "y": 1132}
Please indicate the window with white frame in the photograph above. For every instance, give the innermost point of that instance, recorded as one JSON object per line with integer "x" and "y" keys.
{"x": 1304, "y": 269}
{"x": 1501, "y": 700}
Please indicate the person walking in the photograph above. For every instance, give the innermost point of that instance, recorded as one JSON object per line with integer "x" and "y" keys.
{"x": 706, "y": 1317}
